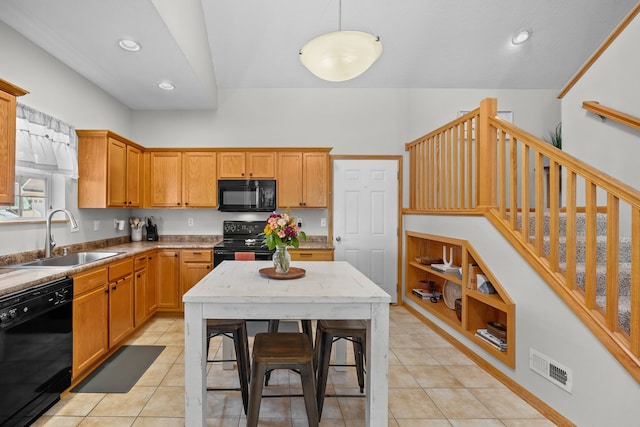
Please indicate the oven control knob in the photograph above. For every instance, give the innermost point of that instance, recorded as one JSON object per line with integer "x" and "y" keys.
{"x": 4, "y": 317}
{"x": 13, "y": 313}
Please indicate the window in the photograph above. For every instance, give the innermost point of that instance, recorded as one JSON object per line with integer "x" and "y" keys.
{"x": 32, "y": 198}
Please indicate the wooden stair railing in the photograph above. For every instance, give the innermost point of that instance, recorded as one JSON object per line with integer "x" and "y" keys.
{"x": 480, "y": 164}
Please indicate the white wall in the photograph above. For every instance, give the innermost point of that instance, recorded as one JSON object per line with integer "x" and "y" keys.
{"x": 613, "y": 81}
{"x": 604, "y": 394}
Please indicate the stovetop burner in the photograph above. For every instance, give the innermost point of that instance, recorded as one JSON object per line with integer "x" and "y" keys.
{"x": 242, "y": 234}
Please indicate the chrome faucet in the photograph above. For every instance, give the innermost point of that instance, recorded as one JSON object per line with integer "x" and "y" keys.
{"x": 49, "y": 244}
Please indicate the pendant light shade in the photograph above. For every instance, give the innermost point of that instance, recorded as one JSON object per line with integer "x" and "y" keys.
{"x": 341, "y": 55}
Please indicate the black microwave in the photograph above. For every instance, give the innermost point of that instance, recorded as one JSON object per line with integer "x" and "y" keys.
{"x": 242, "y": 195}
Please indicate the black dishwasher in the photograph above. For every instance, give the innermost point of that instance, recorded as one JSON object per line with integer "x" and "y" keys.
{"x": 35, "y": 350}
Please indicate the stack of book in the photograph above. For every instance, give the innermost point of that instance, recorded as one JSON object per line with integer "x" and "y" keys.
{"x": 445, "y": 268}
{"x": 495, "y": 342}
{"x": 425, "y": 294}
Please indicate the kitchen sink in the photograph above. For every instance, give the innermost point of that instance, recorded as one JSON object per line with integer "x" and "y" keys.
{"x": 69, "y": 260}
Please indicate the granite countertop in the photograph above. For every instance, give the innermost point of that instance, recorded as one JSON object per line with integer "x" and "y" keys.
{"x": 16, "y": 279}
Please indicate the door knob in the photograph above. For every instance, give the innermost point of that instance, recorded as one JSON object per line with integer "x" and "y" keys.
{"x": 338, "y": 239}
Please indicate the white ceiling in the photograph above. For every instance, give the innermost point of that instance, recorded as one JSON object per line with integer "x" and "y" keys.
{"x": 203, "y": 45}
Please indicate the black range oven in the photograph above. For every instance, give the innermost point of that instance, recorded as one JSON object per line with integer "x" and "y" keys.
{"x": 35, "y": 350}
{"x": 241, "y": 236}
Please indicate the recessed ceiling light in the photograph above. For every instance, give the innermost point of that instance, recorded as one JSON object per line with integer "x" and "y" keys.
{"x": 166, "y": 86}
{"x": 521, "y": 36}
{"x": 129, "y": 45}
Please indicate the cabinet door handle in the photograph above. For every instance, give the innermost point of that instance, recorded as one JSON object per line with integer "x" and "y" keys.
{"x": 114, "y": 287}
{"x": 306, "y": 254}
{"x": 186, "y": 203}
{"x": 196, "y": 253}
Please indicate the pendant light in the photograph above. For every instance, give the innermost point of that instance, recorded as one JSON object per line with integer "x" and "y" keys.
{"x": 341, "y": 55}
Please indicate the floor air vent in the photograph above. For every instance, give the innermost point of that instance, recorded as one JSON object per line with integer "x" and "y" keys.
{"x": 551, "y": 370}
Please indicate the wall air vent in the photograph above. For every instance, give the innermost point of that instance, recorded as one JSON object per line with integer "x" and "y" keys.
{"x": 551, "y": 370}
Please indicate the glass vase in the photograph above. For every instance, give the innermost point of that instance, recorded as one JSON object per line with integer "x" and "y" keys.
{"x": 281, "y": 259}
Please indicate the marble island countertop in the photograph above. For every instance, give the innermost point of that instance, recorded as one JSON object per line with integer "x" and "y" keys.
{"x": 16, "y": 279}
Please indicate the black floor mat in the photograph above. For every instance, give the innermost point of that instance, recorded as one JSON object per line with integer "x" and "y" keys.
{"x": 121, "y": 371}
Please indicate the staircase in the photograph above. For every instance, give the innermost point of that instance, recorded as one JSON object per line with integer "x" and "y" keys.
{"x": 624, "y": 268}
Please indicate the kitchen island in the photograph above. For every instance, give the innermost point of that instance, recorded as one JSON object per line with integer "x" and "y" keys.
{"x": 328, "y": 290}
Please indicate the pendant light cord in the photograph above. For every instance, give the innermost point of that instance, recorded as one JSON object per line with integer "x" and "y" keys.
{"x": 339, "y": 15}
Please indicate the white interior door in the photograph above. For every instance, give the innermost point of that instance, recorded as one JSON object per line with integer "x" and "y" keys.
{"x": 365, "y": 218}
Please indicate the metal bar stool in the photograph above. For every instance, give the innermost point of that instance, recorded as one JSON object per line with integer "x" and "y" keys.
{"x": 273, "y": 327}
{"x": 284, "y": 350}
{"x": 327, "y": 332}
{"x": 237, "y": 331}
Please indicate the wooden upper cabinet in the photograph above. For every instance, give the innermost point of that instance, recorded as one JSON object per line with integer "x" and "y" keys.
{"x": 165, "y": 176}
{"x": 261, "y": 164}
{"x": 135, "y": 173}
{"x": 110, "y": 170}
{"x": 303, "y": 179}
{"x": 199, "y": 184}
{"x": 181, "y": 179}
{"x": 246, "y": 164}
{"x": 8, "y": 94}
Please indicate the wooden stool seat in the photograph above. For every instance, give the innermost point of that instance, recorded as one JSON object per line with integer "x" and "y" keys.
{"x": 236, "y": 330}
{"x": 284, "y": 350}
{"x": 327, "y": 332}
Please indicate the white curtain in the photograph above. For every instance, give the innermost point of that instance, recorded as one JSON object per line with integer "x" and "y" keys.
{"x": 44, "y": 143}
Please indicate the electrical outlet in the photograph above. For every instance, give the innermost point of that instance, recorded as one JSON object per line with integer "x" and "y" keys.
{"x": 299, "y": 223}
{"x": 189, "y": 222}
{"x": 96, "y": 224}
{"x": 323, "y": 222}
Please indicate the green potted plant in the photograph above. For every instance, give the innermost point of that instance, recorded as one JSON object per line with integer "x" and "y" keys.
{"x": 555, "y": 137}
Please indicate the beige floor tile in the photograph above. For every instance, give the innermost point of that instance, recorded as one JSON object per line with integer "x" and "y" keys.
{"x": 225, "y": 422}
{"x": 412, "y": 403}
{"x": 537, "y": 422}
{"x": 76, "y": 404}
{"x": 224, "y": 404}
{"x": 423, "y": 422}
{"x": 175, "y": 376}
{"x": 414, "y": 356}
{"x": 472, "y": 376}
{"x": 169, "y": 355}
{"x": 400, "y": 377}
{"x": 154, "y": 375}
{"x": 402, "y": 341}
{"x": 123, "y": 404}
{"x": 458, "y": 403}
{"x": 107, "y": 422}
{"x": 433, "y": 377}
{"x": 165, "y": 402}
{"x": 393, "y": 358}
{"x": 57, "y": 421}
{"x": 302, "y": 422}
{"x": 171, "y": 338}
{"x": 430, "y": 341}
{"x": 352, "y": 407}
{"x": 160, "y": 325}
{"x": 149, "y": 338}
{"x": 354, "y": 422}
{"x": 478, "y": 422}
{"x": 450, "y": 356}
{"x": 159, "y": 422}
{"x": 505, "y": 404}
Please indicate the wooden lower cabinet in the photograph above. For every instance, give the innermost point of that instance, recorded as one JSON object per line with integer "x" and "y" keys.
{"x": 311, "y": 254}
{"x": 144, "y": 287}
{"x": 195, "y": 265}
{"x": 90, "y": 319}
{"x": 121, "y": 317}
{"x": 168, "y": 280}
